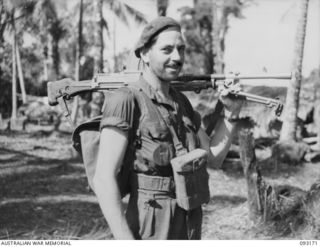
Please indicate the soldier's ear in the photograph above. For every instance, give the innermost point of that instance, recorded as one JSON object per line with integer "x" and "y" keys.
{"x": 144, "y": 54}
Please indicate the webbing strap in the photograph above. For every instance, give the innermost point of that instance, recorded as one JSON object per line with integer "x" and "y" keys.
{"x": 154, "y": 183}
{"x": 180, "y": 149}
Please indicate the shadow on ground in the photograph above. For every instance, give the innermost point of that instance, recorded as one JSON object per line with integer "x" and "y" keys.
{"x": 58, "y": 220}
{"x": 44, "y": 196}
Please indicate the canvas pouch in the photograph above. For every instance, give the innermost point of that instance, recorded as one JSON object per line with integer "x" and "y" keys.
{"x": 191, "y": 179}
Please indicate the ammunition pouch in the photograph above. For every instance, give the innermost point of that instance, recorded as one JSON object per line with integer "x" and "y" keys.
{"x": 191, "y": 179}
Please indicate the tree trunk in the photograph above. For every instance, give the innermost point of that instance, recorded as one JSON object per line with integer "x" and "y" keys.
{"x": 317, "y": 111}
{"x": 79, "y": 45}
{"x": 101, "y": 35}
{"x": 56, "y": 58}
{"x": 45, "y": 64}
{"x": 289, "y": 127}
{"x": 216, "y": 49}
{"x": 98, "y": 61}
{"x": 75, "y": 107}
{"x": 317, "y": 123}
{"x": 100, "y": 8}
{"x": 21, "y": 78}
{"x": 115, "y": 61}
{"x": 251, "y": 173}
{"x": 222, "y": 38}
{"x": 14, "y": 73}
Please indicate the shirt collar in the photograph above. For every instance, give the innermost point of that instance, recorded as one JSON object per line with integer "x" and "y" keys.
{"x": 144, "y": 86}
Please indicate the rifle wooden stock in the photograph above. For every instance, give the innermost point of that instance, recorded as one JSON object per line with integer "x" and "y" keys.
{"x": 68, "y": 88}
{"x": 65, "y": 88}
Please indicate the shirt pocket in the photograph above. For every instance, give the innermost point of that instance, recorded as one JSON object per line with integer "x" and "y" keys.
{"x": 157, "y": 131}
{"x": 162, "y": 151}
{"x": 163, "y": 154}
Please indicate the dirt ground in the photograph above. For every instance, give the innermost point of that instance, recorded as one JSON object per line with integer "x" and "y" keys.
{"x": 44, "y": 193}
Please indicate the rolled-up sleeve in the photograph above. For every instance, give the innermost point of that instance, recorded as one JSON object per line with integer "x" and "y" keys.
{"x": 119, "y": 110}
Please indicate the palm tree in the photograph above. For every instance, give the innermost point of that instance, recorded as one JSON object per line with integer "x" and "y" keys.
{"x": 79, "y": 45}
{"x": 18, "y": 10}
{"x": 121, "y": 11}
{"x": 317, "y": 111}
{"x": 78, "y": 65}
{"x": 205, "y": 28}
{"x": 50, "y": 31}
{"x": 98, "y": 66}
{"x": 289, "y": 127}
{"x": 21, "y": 77}
{"x": 317, "y": 117}
{"x": 14, "y": 72}
{"x": 10, "y": 12}
{"x": 3, "y": 20}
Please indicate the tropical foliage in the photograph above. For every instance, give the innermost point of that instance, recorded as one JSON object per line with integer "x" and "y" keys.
{"x": 205, "y": 27}
{"x": 44, "y": 32}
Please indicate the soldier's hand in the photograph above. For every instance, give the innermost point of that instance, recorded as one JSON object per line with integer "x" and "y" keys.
{"x": 232, "y": 104}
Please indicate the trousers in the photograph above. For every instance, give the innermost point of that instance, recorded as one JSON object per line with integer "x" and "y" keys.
{"x": 153, "y": 214}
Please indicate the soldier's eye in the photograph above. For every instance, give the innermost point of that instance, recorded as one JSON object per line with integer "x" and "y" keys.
{"x": 181, "y": 48}
{"x": 167, "y": 49}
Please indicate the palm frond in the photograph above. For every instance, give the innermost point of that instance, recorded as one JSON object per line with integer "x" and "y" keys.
{"x": 123, "y": 11}
{"x": 45, "y": 13}
{"x": 3, "y": 19}
{"x": 137, "y": 15}
{"x": 19, "y": 5}
{"x": 117, "y": 7}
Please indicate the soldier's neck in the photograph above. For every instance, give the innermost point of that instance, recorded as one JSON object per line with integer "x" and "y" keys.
{"x": 160, "y": 86}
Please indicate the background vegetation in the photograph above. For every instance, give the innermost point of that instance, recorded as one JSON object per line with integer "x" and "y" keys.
{"x": 43, "y": 185}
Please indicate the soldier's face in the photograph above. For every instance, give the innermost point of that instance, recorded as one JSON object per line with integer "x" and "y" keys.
{"x": 166, "y": 56}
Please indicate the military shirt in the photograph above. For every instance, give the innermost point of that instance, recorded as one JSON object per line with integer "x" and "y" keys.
{"x": 146, "y": 121}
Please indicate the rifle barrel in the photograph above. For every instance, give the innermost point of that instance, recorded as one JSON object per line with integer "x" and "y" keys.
{"x": 233, "y": 76}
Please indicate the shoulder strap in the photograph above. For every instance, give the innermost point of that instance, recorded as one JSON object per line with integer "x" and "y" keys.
{"x": 180, "y": 149}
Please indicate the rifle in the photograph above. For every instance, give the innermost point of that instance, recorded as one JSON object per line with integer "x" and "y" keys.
{"x": 65, "y": 89}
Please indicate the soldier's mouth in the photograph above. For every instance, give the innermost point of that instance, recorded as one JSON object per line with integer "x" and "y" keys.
{"x": 174, "y": 67}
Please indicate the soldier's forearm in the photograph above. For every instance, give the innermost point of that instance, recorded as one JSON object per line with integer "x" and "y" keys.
{"x": 221, "y": 139}
{"x": 112, "y": 207}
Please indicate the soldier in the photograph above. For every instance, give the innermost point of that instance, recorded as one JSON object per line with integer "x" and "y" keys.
{"x": 152, "y": 119}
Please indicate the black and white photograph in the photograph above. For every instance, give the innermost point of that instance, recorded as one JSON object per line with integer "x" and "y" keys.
{"x": 159, "y": 120}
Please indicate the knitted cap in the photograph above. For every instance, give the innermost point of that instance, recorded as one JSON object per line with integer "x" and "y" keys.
{"x": 152, "y": 29}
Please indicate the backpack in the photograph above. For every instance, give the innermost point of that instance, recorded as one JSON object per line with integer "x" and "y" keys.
{"x": 86, "y": 140}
